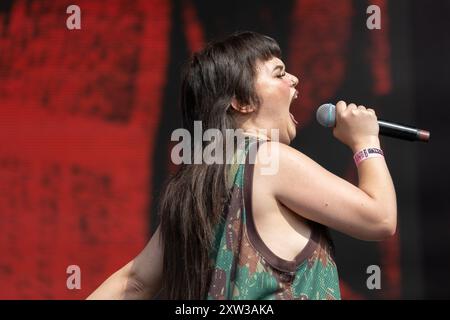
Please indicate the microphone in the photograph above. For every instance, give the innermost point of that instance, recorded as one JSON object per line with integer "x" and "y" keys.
{"x": 326, "y": 116}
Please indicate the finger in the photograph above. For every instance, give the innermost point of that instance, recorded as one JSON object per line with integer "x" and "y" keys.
{"x": 340, "y": 107}
{"x": 371, "y": 110}
{"x": 362, "y": 107}
{"x": 352, "y": 106}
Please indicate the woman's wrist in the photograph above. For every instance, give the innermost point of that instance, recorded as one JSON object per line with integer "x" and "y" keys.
{"x": 370, "y": 143}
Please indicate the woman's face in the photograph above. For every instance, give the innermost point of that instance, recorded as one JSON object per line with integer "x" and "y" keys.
{"x": 276, "y": 90}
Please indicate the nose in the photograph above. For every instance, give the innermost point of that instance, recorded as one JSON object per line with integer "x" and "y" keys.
{"x": 294, "y": 80}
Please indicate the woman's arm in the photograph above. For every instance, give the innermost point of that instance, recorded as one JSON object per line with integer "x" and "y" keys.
{"x": 138, "y": 279}
{"x": 366, "y": 212}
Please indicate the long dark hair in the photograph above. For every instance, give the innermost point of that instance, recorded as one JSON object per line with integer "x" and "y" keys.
{"x": 195, "y": 197}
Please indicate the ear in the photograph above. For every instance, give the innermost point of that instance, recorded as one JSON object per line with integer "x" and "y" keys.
{"x": 241, "y": 108}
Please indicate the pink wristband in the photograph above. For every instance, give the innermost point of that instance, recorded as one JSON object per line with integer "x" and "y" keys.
{"x": 366, "y": 154}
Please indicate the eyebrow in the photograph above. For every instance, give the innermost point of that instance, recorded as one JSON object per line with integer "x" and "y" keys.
{"x": 281, "y": 67}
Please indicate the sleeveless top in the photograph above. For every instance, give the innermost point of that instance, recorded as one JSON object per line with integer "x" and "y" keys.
{"x": 244, "y": 268}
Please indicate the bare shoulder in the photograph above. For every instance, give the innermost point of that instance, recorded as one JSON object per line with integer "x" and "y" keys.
{"x": 277, "y": 164}
{"x": 281, "y": 159}
{"x": 272, "y": 149}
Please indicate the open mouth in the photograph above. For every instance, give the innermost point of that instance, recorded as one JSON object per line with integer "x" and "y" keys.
{"x": 295, "y": 96}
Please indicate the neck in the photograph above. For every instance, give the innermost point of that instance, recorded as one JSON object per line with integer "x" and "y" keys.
{"x": 256, "y": 133}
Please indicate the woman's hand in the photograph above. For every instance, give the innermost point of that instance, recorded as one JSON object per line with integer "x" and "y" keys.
{"x": 356, "y": 126}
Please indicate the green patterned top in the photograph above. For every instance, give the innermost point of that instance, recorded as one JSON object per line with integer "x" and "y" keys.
{"x": 246, "y": 269}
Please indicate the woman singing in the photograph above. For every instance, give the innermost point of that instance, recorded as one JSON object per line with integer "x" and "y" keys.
{"x": 229, "y": 231}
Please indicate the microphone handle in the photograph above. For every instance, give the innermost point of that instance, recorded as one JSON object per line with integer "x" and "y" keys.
{"x": 399, "y": 131}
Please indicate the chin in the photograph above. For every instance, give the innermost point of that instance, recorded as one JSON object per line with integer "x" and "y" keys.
{"x": 288, "y": 136}
{"x": 292, "y": 136}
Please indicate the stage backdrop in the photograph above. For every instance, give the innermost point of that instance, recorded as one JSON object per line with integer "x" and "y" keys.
{"x": 86, "y": 117}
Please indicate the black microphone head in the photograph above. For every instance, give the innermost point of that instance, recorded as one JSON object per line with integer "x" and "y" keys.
{"x": 326, "y": 115}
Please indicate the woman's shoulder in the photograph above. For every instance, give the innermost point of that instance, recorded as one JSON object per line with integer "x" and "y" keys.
{"x": 281, "y": 153}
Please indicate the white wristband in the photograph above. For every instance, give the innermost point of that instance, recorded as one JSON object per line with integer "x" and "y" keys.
{"x": 366, "y": 154}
